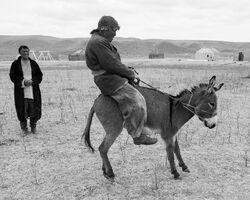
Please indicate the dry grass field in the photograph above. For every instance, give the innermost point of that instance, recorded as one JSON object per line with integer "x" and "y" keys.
{"x": 53, "y": 164}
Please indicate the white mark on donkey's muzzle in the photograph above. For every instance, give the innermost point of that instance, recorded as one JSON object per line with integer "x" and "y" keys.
{"x": 211, "y": 122}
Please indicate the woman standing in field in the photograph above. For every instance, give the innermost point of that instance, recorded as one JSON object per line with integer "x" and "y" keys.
{"x": 112, "y": 78}
{"x": 26, "y": 75}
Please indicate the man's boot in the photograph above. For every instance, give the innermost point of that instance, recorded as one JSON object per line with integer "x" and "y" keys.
{"x": 24, "y": 127}
{"x": 33, "y": 127}
{"x": 144, "y": 139}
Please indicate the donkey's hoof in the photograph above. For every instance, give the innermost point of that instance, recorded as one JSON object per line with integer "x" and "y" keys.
{"x": 176, "y": 174}
{"x": 111, "y": 179}
{"x": 186, "y": 170}
{"x": 109, "y": 176}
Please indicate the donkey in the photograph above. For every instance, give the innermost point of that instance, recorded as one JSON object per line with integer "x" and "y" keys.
{"x": 166, "y": 115}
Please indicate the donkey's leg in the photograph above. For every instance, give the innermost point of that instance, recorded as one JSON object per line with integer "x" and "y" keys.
{"x": 170, "y": 155}
{"x": 113, "y": 125}
{"x": 179, "y": 157}
{"x": 111, "y": 119}
{"x": 103, "y": 149}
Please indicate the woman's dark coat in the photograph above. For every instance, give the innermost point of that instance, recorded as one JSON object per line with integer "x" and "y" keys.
{"x": 16, "y": 76}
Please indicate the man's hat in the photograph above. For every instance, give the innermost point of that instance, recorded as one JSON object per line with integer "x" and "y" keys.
{"x": 107, "y": 21}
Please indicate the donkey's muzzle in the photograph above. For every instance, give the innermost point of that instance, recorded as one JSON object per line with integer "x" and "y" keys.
{"x": 211, "y": 122}
{"x": 209, "y": 125}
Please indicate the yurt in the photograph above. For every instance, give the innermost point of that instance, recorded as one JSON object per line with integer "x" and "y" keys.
{"x": 208, "y": 54}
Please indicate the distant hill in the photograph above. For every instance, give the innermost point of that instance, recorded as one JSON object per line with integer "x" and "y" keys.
{"x": 128, "y": 47}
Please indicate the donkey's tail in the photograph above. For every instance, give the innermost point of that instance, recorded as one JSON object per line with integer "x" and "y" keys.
{"x": 86, "y": 133}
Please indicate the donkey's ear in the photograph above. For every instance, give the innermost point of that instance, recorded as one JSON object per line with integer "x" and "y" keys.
{"x": 211, "y": 82}
{"x": 218, "y": 87}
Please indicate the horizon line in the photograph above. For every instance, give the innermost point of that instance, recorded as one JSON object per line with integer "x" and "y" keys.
{"x": 24, "y": 35}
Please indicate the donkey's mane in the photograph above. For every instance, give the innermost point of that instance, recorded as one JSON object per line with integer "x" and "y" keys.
{"x": 194, "y": 89}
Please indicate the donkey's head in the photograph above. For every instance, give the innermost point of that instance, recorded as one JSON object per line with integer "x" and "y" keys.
{"x": 206, "y": 104}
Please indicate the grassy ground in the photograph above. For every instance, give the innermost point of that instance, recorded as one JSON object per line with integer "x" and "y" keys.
{"x": 53, "y": 164}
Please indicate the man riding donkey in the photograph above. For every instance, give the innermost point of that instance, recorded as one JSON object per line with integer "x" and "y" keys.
{"x": 115, "y": 79}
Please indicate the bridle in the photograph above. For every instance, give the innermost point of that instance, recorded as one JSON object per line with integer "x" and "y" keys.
{"x": 188, "y": 106}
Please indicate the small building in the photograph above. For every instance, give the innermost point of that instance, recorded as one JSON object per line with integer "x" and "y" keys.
{"x": 156, "y": 55}
{"x": 77, "y": 55}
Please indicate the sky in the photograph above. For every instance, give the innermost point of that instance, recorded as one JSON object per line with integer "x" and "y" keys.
{"x": 220, "y": 20}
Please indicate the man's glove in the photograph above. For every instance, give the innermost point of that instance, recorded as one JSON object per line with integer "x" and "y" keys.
{"x": 136, "y": 81}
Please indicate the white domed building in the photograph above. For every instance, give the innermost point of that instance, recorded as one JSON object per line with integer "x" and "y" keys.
{"x": 208, "y": 54}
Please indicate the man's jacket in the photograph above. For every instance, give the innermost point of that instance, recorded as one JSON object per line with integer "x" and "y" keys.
{"x": 16, "y": 76}
{"x": 104, "y": 61}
